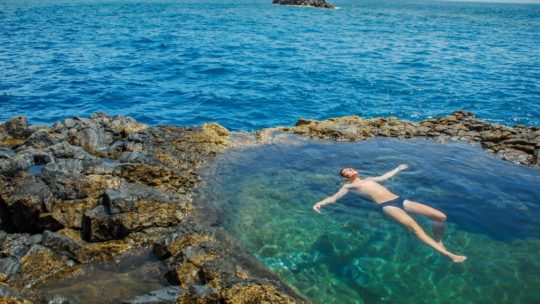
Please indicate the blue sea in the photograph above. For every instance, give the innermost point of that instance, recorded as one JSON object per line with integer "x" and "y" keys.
{"x": 249, "y": 64}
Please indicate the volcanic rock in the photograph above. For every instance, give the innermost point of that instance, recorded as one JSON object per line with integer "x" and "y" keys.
{"x": 312, "y": 3}
{"x": 167, "y": 295}
{"x": 518, "y": 144}
{"x": 91, "y": 189}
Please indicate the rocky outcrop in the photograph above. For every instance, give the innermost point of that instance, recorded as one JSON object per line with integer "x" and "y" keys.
{"x": 518, "y": 144}
{"x": 210, "y": 267}
{"x": 312, "y": 3}
{"x": 93, "y": 189}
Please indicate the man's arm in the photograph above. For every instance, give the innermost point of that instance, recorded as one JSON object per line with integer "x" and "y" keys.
{"x": 331, "y": 199}
{"x": 388, "y": 174}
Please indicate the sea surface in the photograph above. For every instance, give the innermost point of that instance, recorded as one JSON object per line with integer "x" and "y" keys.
{"x": 352, "y": 253}
{"x": 247, "y": 64}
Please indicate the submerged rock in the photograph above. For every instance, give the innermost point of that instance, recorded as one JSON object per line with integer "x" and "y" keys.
{"x": 171, "y": 294}
{"x": 313, "y": 3}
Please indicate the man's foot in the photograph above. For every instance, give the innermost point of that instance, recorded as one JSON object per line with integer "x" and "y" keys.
{"x": 456, "y": 258}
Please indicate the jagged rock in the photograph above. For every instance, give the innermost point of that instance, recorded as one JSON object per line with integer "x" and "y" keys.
{"x": 13, "y": 300}
{"x": 97, "y": 133}
{"x": 17, "y": 127}
{"x": 133, "y": 208}
{"x": 61, "y": 244}
{"x": 313, "y": 3}
{"x": 41, "y": 263}
{"x": 39, "y": 140}
{"x": 6, "y": 291}
{"x": 8, "y": 267}
{"x": 517, "y": 144}
{"x": 183, "y": 236}
{"x": 97, "y": 252}
{"x": 98, "y": 226}
{"x": 200, "y": 257}
{"x": 167, "y": 295}
{"x": 58, "y": 300}
{"x": 29, "y": 206}
{"x": 204, "y": 293}
{"x": 257, "y": 293}
{"x": 18, "y": 244}
{"x": 3, "y": 236}
{"x": 9, "y": 296}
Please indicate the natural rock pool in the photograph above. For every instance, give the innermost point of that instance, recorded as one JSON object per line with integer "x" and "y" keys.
{"x": 113, "y": 281}
{"x": 351, "y": 253}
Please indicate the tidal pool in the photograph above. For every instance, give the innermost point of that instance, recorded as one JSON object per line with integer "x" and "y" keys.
{"x": 351, "y": 253}
{"x": 114, "y": 281}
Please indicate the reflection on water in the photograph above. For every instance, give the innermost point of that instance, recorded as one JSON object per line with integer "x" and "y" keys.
{"x": 113, "y": 281}
{"x": 351, "y": 253}
{"x": 35, "y": 170}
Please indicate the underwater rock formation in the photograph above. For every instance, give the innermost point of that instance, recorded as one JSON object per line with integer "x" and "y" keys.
{"x": 313, "y": 3}
{"x": 87, "y": 190}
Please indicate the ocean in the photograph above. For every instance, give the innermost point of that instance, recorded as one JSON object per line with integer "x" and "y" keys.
{"x": 249, "y": 64}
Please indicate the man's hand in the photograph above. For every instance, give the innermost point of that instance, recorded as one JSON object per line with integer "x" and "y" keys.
{"x": 403, "y": 167}
{"x": 317, "y": 207}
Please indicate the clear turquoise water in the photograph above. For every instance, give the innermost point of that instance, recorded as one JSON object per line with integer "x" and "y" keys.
{"x": 351, "y": 253}
{"x": 247, "y": 64}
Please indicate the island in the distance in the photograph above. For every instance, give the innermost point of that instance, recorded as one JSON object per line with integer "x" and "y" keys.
{"x": 313, "y": 3}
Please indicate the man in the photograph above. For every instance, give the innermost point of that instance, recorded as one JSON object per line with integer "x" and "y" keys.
{"x": 395, "y": 207}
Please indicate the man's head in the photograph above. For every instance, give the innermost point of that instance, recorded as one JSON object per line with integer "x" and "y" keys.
{"x": 349, "y": 173}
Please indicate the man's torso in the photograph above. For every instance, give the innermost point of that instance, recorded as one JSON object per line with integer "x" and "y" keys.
{"x": 373, "y": 190}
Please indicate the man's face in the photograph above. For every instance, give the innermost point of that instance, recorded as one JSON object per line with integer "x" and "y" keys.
{"x": 349, "y": 173}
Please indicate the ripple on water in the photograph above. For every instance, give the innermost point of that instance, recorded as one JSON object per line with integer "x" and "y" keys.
{"x": 351, "y": 253}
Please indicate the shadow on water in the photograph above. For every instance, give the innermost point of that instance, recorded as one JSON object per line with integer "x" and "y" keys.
{"x": 351, "y": 253}
{"x": 115, "y": 281}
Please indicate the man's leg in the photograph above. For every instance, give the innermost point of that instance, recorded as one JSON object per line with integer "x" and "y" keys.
{"x": 437, "y": 218}
{"x": 408, "y": 222}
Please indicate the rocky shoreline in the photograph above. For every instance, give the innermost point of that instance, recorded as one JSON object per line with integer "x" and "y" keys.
{"x": 518, "y": 144}
{"x": 87, "y": 190}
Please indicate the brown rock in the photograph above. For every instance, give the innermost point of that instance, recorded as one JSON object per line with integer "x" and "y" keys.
{"x": 255, "y": 293}
{"x": 41, "y": 263}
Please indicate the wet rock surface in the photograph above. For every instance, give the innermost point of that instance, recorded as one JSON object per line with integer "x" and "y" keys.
{"x": 518, "y": 144}
{"x": 166, "y": 295}
{"x": 312, "y": 3}
{"x": 87, "y": 190}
